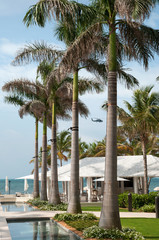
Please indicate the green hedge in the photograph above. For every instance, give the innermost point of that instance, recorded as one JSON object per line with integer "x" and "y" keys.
{"x": 138, "y": 201}
{"x": 46, "y": 206}
{"x": 74, "y": 217}
{"x": 100, "y": 233}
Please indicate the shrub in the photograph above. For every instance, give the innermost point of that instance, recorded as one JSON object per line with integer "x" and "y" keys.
{"x": 80, "y": 225}
{"x": 123, "y": 200}
{"x": 74, "y": 217}
{"x": 138, "y": 201}
{"x": 148, "y": 208}
{"x": 100, "y": 233}
{"x": 46, "y": 206}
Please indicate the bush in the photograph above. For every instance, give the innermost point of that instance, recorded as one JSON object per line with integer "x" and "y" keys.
{"x": 148, "y": 208}
{"x": 80, "y": 225}
{"x": 100, "y": 233}
{"x": 46, "y": 206}
{"x": 138, "y": 201}
{"x": 123, "y": 200}
{"x": 74, "y": 217}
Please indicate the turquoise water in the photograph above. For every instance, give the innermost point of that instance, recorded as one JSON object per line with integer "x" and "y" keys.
{"x": 17, "y": 185}
{"x": 38, "y": 230}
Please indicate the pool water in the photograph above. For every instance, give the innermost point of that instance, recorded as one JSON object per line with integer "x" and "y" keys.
{"x": 17, "y": 207}
{"x": 38, "y": 230}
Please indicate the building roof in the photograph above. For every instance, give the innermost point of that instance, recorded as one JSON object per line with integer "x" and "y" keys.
{"x": 128, "y": 166}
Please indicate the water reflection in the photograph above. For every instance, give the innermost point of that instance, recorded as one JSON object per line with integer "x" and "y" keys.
{"x": 17, "y": 207}
{"x": 38, "y": 230}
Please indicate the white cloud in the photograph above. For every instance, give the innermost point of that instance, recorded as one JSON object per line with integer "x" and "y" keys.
{"x": 9, "y": 48}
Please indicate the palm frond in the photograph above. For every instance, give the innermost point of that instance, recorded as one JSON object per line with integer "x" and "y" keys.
{"x": 25, "y": 109}
{"x": 138, "y": 10}
{"x": 89, "y": 85}
{"x": 129, "y": 80}
{"x": 83, "y": 110}
{"x": 37, "y": 52}
{"x": 14, "y": 99}
{"x": 79, "y": 50}
{"x": 140, "y": 41}
{"x": 58, "y": 9}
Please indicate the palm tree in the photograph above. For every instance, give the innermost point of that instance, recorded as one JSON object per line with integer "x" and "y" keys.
{"x": 25, "y": 108}
{"x": 142, "y": 120}
{"x": 138, "y": 43}
{"x": 63, "y": 145}
{"x": 40, "y": 108}
{"x": 36, "y": 52}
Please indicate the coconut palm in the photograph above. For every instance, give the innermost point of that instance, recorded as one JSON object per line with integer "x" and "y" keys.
{"x": 135, "y": 42}
{"x": 142, "y": 120}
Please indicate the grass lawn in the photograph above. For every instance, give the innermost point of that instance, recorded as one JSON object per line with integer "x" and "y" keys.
{"x": 149, "y": 227}
{"x": 97, "y": 207}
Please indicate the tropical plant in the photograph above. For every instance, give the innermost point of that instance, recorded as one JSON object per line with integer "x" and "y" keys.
{"x": 26, "y": 108}
{"x": 33, "y": 52}
{"x": 63, "y": 145}
{"x": 136, "y": 41}
{"x": 142, "y": 120}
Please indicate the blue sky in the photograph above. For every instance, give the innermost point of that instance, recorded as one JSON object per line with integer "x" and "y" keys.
{"x": 17, "y": 135}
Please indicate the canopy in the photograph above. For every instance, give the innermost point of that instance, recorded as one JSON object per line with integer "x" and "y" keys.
{"x": 128, "y": 166}
{"x": 118, "y": 179}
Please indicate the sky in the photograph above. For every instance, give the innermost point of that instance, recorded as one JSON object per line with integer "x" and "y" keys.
{"x": 17, "y": 135}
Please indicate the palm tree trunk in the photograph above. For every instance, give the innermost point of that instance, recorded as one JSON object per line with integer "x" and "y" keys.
{"x": 54, "y": 196}
{"x": 145, "y": 167}
{"x": 74, "y": 203}
{"x": 44, "y": 161}
{"x": 110, "y": 211}
{"x": 36, "y": 169}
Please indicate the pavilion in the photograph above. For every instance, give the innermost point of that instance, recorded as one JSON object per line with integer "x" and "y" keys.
{"x": 129, "y": 168}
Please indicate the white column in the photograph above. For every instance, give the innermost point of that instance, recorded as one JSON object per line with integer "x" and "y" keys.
{"x": 89, "y": 180}
{"x": 122, "y": 186}
{"x": 81, "y": 185}
{"x": 69, "y": 190}
{"x": 135, "y": 182}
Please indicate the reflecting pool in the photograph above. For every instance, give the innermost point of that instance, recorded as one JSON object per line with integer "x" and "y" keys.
{"x": 38, "y": 230}
{"x": 17, "y": 207}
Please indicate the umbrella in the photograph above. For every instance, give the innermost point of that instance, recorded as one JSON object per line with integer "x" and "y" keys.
{"x": 156, "y": 188}
{"x": 25, "y": 185}
{"x": 102, "y": 179}
{"x": 6, "y": 185}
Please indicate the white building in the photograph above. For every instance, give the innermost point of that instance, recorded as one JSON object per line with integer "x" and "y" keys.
{"x": 130, "y": 168}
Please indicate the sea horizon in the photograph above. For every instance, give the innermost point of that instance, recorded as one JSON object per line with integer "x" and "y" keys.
{"x": 17, "y": 185}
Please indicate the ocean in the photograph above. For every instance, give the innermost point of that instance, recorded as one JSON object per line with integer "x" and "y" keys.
{"x": 17, "y": 185}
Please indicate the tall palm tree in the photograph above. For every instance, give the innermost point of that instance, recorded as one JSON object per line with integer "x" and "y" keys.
{"x": 36, "y": 52}
{"x": 40, "y": 108}
{"x": 138, "y": 43}
{"x": 142, "y": 120}
{"x": 25, "y": 104}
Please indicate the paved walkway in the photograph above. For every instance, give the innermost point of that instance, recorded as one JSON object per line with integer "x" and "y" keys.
{"x": 9, "y": 216}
